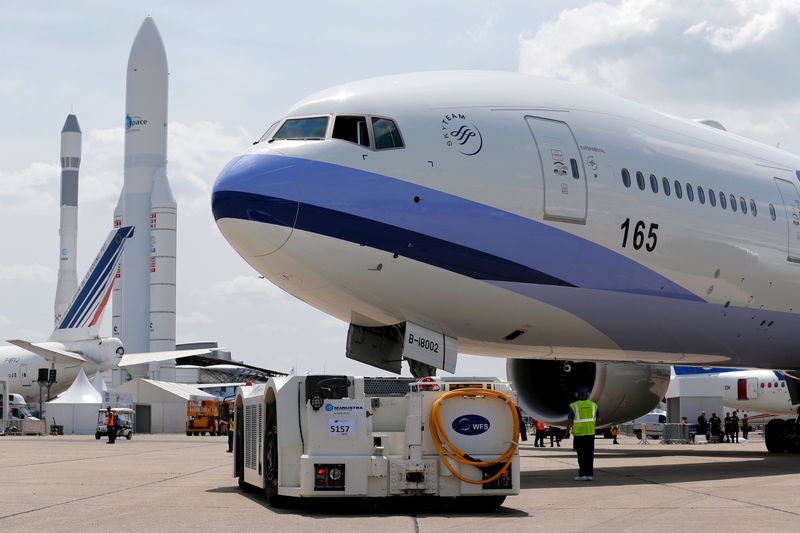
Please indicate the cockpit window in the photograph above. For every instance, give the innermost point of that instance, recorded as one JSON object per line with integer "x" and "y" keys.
{"x": 308, "y": 128}
{"x": 267, "y": 133}
{"x": 351, "y": 128}
{"x": 386, "y": 134}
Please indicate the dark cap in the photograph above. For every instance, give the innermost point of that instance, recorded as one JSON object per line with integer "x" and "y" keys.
{"x": 582, "y": 390}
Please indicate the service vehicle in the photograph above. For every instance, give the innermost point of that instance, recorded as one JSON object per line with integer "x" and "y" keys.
{"x": 653, "y": 423}
{"x": 126, "y": 420}
{"x": 343, "y": 436}
{"x": 202, "y": 416}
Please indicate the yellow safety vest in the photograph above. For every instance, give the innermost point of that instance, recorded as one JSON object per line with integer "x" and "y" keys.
{"x": 230, "y": 425}
{"x": 583, "y": 422}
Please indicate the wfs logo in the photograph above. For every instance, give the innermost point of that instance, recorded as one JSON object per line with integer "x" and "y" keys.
{"x": 460, "y": 134}
{"x": 132, "y": 123}
{"x": 471, "y": 425}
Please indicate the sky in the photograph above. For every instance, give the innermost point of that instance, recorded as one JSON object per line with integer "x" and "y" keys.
{"x": 237, "y": 67}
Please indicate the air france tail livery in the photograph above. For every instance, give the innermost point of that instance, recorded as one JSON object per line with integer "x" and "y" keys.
{"x": 589, "y": 239}
{"x": 75, "y": 341}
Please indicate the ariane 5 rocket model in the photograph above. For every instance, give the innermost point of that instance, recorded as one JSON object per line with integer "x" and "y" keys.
{"x": 148, "y": 263}
{"x": 68, "y": 228}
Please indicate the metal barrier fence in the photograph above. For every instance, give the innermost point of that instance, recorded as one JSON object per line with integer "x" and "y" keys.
{"x": 676, "y": 434}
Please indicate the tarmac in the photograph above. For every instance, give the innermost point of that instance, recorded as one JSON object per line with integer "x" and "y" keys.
{"x": 180, "y": 483}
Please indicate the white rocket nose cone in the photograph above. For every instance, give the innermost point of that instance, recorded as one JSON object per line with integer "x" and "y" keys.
{"x": 148, "y": 48}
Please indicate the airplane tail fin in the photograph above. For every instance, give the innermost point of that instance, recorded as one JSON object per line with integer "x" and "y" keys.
{"x": 82, "y": 318}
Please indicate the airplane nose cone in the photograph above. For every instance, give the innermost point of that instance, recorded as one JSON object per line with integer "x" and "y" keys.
{"x": 255, "y": 203}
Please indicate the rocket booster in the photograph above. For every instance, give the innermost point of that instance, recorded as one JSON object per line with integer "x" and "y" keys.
{"x": 68, "y": 228}
{"x": 116, "y": 291}
{"x": 145, "y": 157}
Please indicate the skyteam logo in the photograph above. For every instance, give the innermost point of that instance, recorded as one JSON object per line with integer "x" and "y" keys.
{"x": 471, "y": 425}
{"x": 134, "y": 123}
{"x": 462, "y": 135}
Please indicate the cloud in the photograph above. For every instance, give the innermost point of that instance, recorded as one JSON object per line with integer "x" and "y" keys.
{"x": 34, "y": 188}
{"x": 692, "y": 59}
{"x": 195, "y": 318}
{"x": 251, "y": 287}
{"x": 481, "y": 32}
{"x": 330, "y": 322}
{"x": 32, "y": 272}
{"x": 644, "y": 48}
{"x": 4, "y": 320}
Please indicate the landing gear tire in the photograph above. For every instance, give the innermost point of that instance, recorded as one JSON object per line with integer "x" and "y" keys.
{"x": 638, "y": 433}
{"x": 97, "y": 436}
{"x": 792, "y": 437}
{"x": 774, "y": 436}
{"x": 271, "y": 460}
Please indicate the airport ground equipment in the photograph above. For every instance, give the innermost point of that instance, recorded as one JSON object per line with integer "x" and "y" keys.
{"x": 126, "y": 421}
{"x": 342, "y": 436}
{"x": 202, "y": 416}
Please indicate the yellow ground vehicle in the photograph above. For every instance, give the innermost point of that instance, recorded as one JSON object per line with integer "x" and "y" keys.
{"x": 203, "y": 416}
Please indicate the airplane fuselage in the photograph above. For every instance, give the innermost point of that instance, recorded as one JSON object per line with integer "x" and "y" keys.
{"x": 529, "y": 206}
{"x": 21, "y": 369}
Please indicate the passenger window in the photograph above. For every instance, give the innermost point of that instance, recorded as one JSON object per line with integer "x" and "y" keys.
{"x": 712, "y": 197}
{"x": 753, "y": 207}
{"x": 772, "y": 211}
{"x": 386, "y": 134}
{"x": 653, "y": 183}
{"x": 689, "y": 192}
{"x": 640, "y": 180}
{"x": 678, "y": 190}
{"x": 352, "y": 129}
{"x": 733, "y": 203}
{"x": 626, "y": 177}
{"x": 665, "y": 185}
{"x": 723, "y": 203}
{"x": 310, "y": 128}
{"x": 701, "y": 195}
{"x": 743, "y": 205}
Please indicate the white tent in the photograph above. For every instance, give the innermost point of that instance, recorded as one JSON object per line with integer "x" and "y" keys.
{"x": 76, "y": 408}
{"x": 160, "y": 405}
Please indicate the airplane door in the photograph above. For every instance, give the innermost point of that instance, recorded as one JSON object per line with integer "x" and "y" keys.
{"x": 562, "y": 168}
{"x": 25, "y": 376}
{"x": 791, "y": 205}
{"x": 747, "y": 388}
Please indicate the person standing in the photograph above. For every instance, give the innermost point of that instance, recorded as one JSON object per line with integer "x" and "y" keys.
{"x": 702, "y": 424}
{"x": 538, "y": 441}
{"x": 555, "y": 435}
{"x": 615, "y": 433}
{"x": 727, "y": 427}
{"x": 745, "y": 426}
{"x": 715, "y": 423}
{"x": 734, "y": 427}
{"x": 110, "y": 427}
{"x": 581, "y": 421}
{"x": 230, "y": 433}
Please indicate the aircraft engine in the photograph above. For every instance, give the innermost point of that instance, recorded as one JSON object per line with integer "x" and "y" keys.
{"x": 622, "y": 391}
{"x": 103, "y": 351}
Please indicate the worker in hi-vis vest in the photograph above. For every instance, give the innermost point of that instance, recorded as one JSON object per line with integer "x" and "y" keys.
{"x": 581, "y": 420}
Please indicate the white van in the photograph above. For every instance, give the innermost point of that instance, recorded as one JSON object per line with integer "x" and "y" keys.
{"x": 654, "y": 424}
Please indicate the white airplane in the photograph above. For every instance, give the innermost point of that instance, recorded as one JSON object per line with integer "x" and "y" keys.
{"x": 75, "y": 342}
{"x": 589, "y": 239}
{"x": 761, "y": 391}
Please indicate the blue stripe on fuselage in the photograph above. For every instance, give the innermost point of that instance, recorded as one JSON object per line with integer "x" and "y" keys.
{"x": 476, "y": 230}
